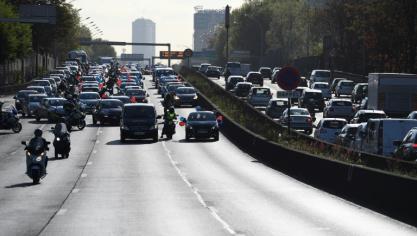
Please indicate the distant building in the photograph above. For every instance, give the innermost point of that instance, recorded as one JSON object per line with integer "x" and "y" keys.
{"x": 205, "y": 23}
{"x": 143, "y": 31}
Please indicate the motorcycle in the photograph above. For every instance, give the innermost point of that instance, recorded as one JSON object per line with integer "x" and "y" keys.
{"x": 62, "y": 142}
{"x": 75, "y": 118}
{"x": 36, "y": 159}
{"x": 169, "y": 129}
{"x": 10, "y": 121}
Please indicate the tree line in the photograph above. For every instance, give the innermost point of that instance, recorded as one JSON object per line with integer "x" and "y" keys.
{"x": 18, "y": 40}
{"x": 358, "y": 35}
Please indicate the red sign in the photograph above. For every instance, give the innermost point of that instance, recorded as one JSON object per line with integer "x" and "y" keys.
{"x": 288, "y": 78}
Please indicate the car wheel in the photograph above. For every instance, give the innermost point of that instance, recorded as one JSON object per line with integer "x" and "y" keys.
{"x": 122, "y": 138}
{"x": 155, "y": 137}
{"x": 216, "y": 137}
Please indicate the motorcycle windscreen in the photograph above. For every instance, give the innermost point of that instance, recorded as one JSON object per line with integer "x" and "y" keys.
{"x": 36, "y": 146}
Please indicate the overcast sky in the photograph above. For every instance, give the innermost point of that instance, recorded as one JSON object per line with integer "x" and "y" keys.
{"x": 173, "y": 18}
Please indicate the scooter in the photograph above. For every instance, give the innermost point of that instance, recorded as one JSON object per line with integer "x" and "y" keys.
{"x": 62, "y": 142}
{"x": 10, "y": 121}
{"x": 76, "y": 118}
{"x": 36, "y": 160}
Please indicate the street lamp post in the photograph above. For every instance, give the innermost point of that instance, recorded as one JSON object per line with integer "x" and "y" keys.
{"x": 261, "y": 38}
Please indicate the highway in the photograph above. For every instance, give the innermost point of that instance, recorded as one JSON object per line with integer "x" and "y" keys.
{"x": 171, "y": 187}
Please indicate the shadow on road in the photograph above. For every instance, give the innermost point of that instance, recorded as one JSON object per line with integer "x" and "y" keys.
{"x": 195, "y": 141}
{"x": 130, "y": 142}
{"x": 21, "y": 185}
{"x": 38, "y": 122}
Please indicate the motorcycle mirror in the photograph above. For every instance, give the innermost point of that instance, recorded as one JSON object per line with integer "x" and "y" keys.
{"x": 23, "y": 143}
{"x": 159, "y": 117}
{"x": 48, "y": 143}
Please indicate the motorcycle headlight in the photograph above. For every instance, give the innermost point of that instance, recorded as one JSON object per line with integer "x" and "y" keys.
{"x": 28, "y": 153}
{"x": 39, "y": 158}
{"x": 176, "y": 97}
{"x": 58, "y": 139}
{"x": 125, "y": 127}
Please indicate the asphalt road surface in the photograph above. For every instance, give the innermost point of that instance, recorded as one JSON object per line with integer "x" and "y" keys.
{"x": 171, "y": 187}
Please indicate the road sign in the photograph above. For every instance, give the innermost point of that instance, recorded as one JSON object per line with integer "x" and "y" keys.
{"x": 288, "y": 94}
{"x": 131, "y": 57}
{"x": 288, "y": 78}
{"x": 174, "y": 55}
{"x": 188, "y": 52}
{"x": 46, "y": 13}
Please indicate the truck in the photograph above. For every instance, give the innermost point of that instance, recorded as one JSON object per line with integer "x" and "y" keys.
{"x": 232, "y": 68}
{"x": 244, "y": 69}
{"x": 379, "y": 135}
{"x": 396, "y": 94}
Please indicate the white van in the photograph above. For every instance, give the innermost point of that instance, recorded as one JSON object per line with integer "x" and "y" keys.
{"x": 380, "y": 134}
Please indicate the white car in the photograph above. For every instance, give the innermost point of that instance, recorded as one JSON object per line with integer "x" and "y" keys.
{"x": 328, "y": 129}
{"x": 338, "y": 108}
{"x": 259, "y": 96}
{"x": 320, "y": 76}
{"x": 324, "y": 87}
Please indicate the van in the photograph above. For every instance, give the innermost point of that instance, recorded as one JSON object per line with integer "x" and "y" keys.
{"x": 380, "y": 134}
{"x": 139, "y": 121}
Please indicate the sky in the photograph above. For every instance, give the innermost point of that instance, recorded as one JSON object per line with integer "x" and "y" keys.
{"x": 173, "y": 18}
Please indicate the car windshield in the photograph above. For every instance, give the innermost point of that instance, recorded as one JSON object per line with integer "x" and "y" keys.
{"x": 23, "y": 94}
{"x": 185, "y": 91}
{"x": 313, "y": 95}
{"x": 172, "y": 88}
{"x": 57, "y": 102}
{"x": 85, "y": 79}
{"x": 244, "y": 86}
{"x": 89, "y": 96}
{"x": 341, "y": 103}
{"x": 322, "y": 73}
{"x": 36, "y": 98}
{"x": 139, "y": 112}
{"x": 262, "y": 91}
{"x": 201, "y": 116}
{"x": 334, "y": 124}
{"x": 321, "y": 86}
{"x": 111, "y": 104}
{"x": 164, "y": 72}
{"x": 346, "y": 83}
{"x": 299, "y": 112}
{"x": 135, "y": 92}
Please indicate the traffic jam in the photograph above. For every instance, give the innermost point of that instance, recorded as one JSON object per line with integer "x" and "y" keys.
{"x": 375, "y": 114}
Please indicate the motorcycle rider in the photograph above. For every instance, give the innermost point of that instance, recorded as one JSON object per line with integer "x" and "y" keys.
{"x": 169, "y": 100}
{"x": 169, "y": 117}
{"x": 35, "y": 140}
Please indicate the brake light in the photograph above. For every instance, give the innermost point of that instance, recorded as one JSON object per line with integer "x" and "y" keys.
{"x": 414, "y": 146}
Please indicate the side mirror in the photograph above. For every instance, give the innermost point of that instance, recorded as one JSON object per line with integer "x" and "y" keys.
{"x": 14, "y": 97}
{"x": 396, "y": 143}
{"x": 314, "y": 119}
{"x": 159, "y": 117}
{"x": 23, "y": 143}
{"x": 47, "y": 143}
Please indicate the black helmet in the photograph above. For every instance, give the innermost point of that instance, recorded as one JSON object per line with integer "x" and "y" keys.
{"x": 171, "y": 109}
{"x": 38, "y": 132}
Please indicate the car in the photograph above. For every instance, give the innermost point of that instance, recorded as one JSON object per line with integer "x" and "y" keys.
{"x": 232, "y": 81}
{"x": 124, "y": 99}
{"x": 185, "y": 96}
{"x": 259, "y": 96}
{"x": 53, "y": 84}
{"x": 108, "y": 111}
{"x": 90, "y": 88}
{"x": 44, "y": 83}
{"x": 213, "y": 71}
{"x": 203, "y": 67}
{"x": 201, "y": 124}
{"x": 412, "y": 115}
{"x": 139, "y": 121}
{"x": 359, "y": 136}
{"x": 344, "y": 87}
{"x": 300, "y": 119}
{"x": 266, "y": 72}
{"x": 324, "y": 88}
{"x": 312, "y": 99}
{"x": 21, "y": 99}
{"x": 365, "y": 115}
{"x": 164, "y": 80}
{"x": 407, "y": 148}
{"x": 338, "y": 108}
{"x": 362, "y": 106}
{"x": 88, "y": 78}
{"x": 158, "y": 72}
{"x": 347, "y": 135}
{"x": 171, "y": 88}
{"x": 299, "y": 90}
{"x": 38, "y": 89}
{"x": 255, "y": 77}
{"x": 51, "y": 109}
{"x": 334, "y": 84}
{"x": 242, "y": 89}
{"x": 123, "y": 85}
{"x": 328, "y": 128}
{"x": 88, "y": 101}
{"x": 359, "y": 92}
{"x": 320, "y": 76}
{"x": 276, "y": 107}
{"x": 34, "y": 102}
{"x": 137, "y": 95}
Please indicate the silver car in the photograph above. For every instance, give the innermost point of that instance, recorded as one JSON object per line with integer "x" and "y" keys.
{"x": 339, "y": 108}
{"x": 344, "y": 87}
{"x": 34, "y": 103}
{"x": 324, "y": 88}
{"x": 259, "y": 96}
{"x": 300, "y": 119}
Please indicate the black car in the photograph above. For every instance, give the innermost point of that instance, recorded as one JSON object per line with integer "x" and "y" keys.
{"x": 202, "y": 124}
{"x": 311, "y": 98}
{"x": 51, "y": 109}
{"x": 139, "y": 121}
{"x": 255, "y": 78}
{"x": 88, "y": 101}
{"x": 124, "y": 99}
{"x": 276, "y": 107}
{"x": 108, "y": 111}
{"x": 21, "y": 98}
{"x": 242, "y": 89}
{"x": 185, "y": 96}
{"x": 407, "y": 148}
{"x": 232, "y": 81}
{"x": 213, "y": 71}
{"x": 266, "y": 72}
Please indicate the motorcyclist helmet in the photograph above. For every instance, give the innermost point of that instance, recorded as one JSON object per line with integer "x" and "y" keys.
{"x": 171, "y": 109}
{"x": 38, "y": 133}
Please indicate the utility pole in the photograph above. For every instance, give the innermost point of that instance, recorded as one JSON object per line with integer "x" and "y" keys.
{"x": 227, "y": 25}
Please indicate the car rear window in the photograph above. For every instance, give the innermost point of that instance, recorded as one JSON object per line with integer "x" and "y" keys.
{"x": 321, "y": 86}
{"x": 346, "y": 83}
{"x": 367, "y": 116}
{"x": 322, "y": 74}
{"x": 36, "y": 98}
{"x": 135, "y": 92}
{"x": 313, "y": 95}
{"x": 244, "y": 86}
{"x": 89, "y": 96}
{"x": 262, "y": 91}
{"x": 333, "y": 124}
{"x": 298, "y": 112}
{"x": 57, "y": 102}
{"x": 139, "y": 112}
{"x": 342, "y": 103}
{"x": 111, "y": 104}
{"x": 279, "y": 103}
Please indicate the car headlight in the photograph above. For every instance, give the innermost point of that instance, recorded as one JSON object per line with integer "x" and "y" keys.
{"x": 176, "y": 97}
{"x": 195, "y": 97}
{"x": 58, "y": 139}
{"x": 189, "y": 127}
{"x": 39, "y": 158}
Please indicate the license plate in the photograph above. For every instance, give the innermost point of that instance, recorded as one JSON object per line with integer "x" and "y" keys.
{"x": 139, "y": 133}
